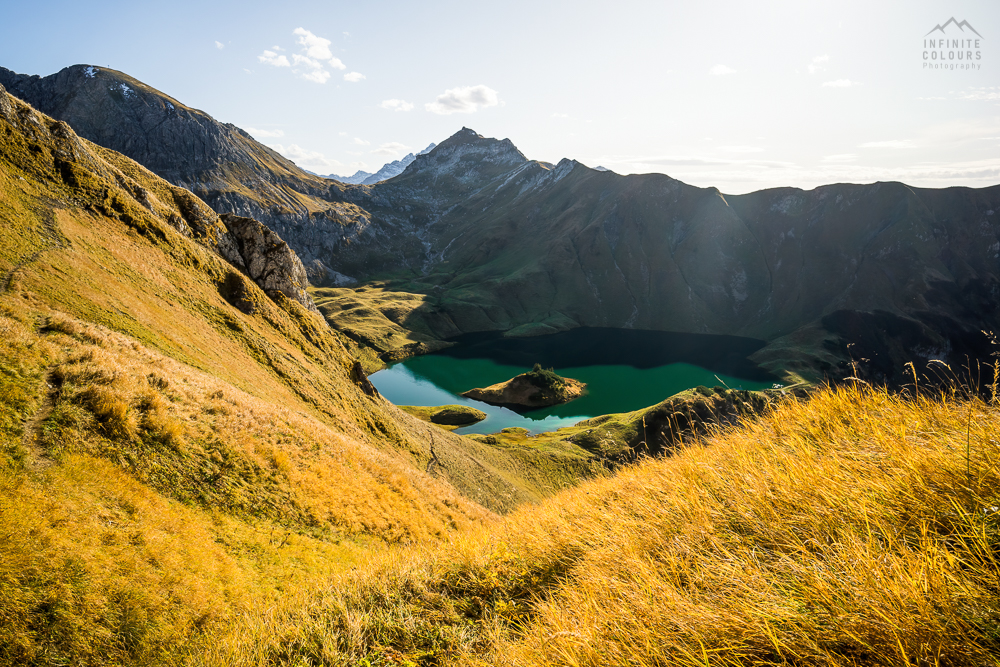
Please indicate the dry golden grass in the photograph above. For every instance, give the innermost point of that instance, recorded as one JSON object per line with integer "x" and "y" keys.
{"x": 859, "y": 527}
{"x": 144, "y": 503}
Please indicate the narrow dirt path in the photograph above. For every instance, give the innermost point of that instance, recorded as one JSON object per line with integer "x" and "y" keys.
{"x": 31, "y": 439}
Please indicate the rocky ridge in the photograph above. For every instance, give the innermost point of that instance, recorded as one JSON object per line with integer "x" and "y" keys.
{"x": 220, "y": 163}
{"x": 495, "y": 241}
{"x": 246, "y": 244}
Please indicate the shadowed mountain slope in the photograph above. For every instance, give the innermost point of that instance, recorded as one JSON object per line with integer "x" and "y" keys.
{"x": 474, "y": 236}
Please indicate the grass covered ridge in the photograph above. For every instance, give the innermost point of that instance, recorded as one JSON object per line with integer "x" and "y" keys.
{"x": 858, "y": 527}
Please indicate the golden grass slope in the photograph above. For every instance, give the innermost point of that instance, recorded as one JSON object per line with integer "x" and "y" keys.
{"x": 167, "y": 461}
{"x": 96, "y": 236}
{"x": 857, "y": 528}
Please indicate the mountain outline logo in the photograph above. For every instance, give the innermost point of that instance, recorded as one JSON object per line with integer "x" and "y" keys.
{"x": 961, "y": 26}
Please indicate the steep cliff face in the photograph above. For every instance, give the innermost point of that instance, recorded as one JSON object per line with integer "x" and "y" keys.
{"x": 268, "y": 260}
{"x": 218, "y": 162}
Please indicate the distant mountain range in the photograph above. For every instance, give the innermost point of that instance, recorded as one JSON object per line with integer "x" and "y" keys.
{"x": 491, "y": 240}
{"x": 389, "y": 170}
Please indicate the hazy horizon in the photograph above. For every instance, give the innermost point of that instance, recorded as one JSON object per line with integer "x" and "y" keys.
{"x": 720, "y": 94}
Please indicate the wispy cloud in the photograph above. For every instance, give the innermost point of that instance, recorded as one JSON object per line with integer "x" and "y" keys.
{"x": 468, "y": 99}
{"x": 265, "y": 134}
{"x": 721, "y": 70}
{"x": 892, "y": 143}
{"x": 307, "y": 159}
{"x": 358, "y": 141}
{"x": 354, "y": 77}
{"x": 982, "y": 93}
{"x": 219, "y": 45}
{"x": 392, "y": 149}
{"x": 316, "y": 75}
{"x": 817, "y": 64}
{"x": 312, "y": 45}
{"x": 841, "y": 83}
{"x": 396, "y": 105}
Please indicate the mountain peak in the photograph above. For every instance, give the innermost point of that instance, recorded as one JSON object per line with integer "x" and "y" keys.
{"x": 468, "y": 155}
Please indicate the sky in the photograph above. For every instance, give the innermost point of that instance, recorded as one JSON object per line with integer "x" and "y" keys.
{"x": 737, "y": 95}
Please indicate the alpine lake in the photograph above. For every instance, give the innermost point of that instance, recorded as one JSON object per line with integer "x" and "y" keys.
{"x": 625, "y": 370}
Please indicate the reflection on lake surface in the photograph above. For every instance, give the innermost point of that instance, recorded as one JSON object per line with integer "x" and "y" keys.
{"x": 624, "y": 369}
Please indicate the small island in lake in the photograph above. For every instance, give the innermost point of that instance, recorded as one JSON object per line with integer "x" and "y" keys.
{"x": 447, "y": 417}
{"x": 538, "y": 388}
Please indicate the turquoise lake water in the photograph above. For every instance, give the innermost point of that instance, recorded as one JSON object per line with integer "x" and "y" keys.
{"x": 623, "y": 372}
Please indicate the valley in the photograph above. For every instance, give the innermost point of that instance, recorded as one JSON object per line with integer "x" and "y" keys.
{"x": 474, "y": 236}
{"x": 233, "y": 430}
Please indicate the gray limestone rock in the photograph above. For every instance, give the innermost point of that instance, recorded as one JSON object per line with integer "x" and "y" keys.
{"x": 268, "y": 260}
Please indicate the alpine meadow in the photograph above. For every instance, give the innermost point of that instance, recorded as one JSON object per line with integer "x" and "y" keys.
{"x": 467, "y": 407}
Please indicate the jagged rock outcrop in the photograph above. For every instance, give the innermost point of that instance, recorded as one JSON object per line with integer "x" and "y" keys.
{"x": 268, "y": 260}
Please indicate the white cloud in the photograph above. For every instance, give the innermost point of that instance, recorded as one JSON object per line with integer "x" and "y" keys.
{"x": 272, "y": 58}
{"x": 298, "y": 60}
{"x": 396, "y": 105}
{"x": 817, "y": 62}
{"x": 265, "y": 134}
{"x": 741, "y": 149}
{"x": 839, "y": 158}
{"x": 311, "y": 61}
{"x": 895, "y": 143}
{"x": 219, "y": 45}
{"x": 361, "y": 142}
{"x": 313, "y": 46}
{"x": 307, "y": 159}
{"x": 392, "y": 149}
{"x": 721, "y": 70}
{"x": 988, "y": 93}
{"x": 560, "y": 115}
{"x": 354, "y": 77}
{"x": 841, "y": 83}
{"x": 343, "y": 134}
{"x": 468, "y": 99}
{"x": 317, "y": 76}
